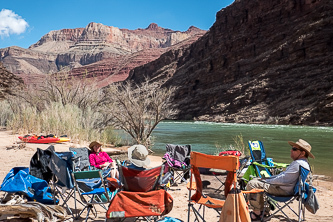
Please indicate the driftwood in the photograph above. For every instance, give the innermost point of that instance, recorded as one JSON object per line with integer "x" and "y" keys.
{"x": 35, "y": 210}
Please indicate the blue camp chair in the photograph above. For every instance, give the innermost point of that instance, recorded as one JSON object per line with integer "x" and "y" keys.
{"x": 261, "y": 166}
{"x": 97, "y": 193}
{"x": 280, "y": 202}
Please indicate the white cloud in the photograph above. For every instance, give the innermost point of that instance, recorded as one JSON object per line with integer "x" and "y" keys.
{"x": 11, "y": 23}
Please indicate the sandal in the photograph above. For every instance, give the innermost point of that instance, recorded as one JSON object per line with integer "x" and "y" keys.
{"x": 255, "y": 217}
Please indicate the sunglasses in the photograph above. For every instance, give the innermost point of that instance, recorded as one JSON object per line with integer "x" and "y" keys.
{"x": 295, "y": 149}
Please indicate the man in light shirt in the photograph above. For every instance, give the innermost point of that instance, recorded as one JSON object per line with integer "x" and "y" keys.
{"x": 282, "y": 184}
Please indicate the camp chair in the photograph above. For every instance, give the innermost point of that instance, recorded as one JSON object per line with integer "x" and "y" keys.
{"x": 178, "y": 159}
{"x": 228, "y": 163}
{"x": 261, "y": 166}
{"x": 81, "y": 159}
{"x": 95, "y": 195}
{"x": 55, "y": 168}
{"x": 280, "y": 202}
{"x": 62, "y": 182}
{"x": 242, "y": 164}
{"x": 141, "y": 196}
{"x": 140, "y": 180}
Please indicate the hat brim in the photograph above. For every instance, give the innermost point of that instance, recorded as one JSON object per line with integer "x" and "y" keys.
{"x": 92, "y": 144}
{"x": 136, "y": 162}
{"x": 295, "y": 144}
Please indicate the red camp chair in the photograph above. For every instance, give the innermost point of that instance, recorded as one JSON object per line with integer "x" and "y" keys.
{"x": 141, "y": 196}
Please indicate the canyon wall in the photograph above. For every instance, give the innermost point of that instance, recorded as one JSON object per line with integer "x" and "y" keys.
{"x": 261, "y": 62}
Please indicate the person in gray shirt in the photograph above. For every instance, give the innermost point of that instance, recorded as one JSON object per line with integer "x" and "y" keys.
{"x": 283, "y": 183}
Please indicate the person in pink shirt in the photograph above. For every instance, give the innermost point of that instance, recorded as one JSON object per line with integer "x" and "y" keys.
{"x": 101, "y": 160}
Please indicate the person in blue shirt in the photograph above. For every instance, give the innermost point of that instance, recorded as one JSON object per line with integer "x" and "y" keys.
{"x": 283, "y": 183}
{"x": 138, "y": 156}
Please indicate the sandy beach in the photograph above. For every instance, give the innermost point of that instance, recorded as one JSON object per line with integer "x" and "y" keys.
{"x": 14, "y": 153}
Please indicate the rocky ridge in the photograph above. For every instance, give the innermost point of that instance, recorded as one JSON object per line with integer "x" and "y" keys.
{"x": 261, "y": 62}
{"x": 67, "y": 49}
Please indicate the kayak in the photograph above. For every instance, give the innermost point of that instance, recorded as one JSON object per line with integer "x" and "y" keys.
{"x": 63, "y": 139}
{"x": 35, "y": 139}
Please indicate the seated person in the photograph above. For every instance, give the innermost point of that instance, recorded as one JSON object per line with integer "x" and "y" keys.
{"x": 101, "y": 160}
{"x": 282, "y": 184}
{"x": 138, "y": 156}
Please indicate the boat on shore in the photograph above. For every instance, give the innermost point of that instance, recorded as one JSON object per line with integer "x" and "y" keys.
{"x": 43, "y": 139}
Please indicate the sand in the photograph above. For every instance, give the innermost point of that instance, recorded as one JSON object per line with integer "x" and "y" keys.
{"x": 13, "y": 153}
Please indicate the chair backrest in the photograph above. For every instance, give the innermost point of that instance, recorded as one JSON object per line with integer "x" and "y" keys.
{"x": 258, "y": 154}
{"x": 228, "y": 163}
{"x": 178, "y": 152}
{"x": 300, "y": 184}
{"x": 140, "y": 180}
{"x": 61, "y": 166}
{"x": 257, "y": 151}
{"x": 92, "y": 174}
{"x": 80, "y": 158}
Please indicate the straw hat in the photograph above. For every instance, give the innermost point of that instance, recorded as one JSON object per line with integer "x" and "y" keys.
{"x": 138, "y": 155}
{"x": 92, "y": 144}
{"x": 303, "y": 145}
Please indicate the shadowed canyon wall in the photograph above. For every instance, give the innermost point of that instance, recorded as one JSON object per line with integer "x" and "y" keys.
{"x": 261, "y": 62}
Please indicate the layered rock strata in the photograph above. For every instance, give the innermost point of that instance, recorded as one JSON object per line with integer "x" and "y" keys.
{"x": 67, "y": 49}
{"x": 261, "y": 62}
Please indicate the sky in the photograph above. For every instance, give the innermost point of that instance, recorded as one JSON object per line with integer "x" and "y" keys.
{"x": 24, "y": 22}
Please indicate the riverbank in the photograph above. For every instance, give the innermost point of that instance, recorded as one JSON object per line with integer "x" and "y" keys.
{"x": 13, "y": 153}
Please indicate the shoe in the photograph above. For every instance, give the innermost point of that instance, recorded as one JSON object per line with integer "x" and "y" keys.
{"x": 255, "y": 217}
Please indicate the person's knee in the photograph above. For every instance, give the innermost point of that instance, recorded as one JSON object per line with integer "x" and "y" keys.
{"x": 250, "y": 185}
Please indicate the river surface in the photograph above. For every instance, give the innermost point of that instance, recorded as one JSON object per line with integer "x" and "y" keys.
{"x": 211, "y": 138}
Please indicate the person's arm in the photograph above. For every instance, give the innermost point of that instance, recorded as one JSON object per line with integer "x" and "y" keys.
{"x": 287, "y": 177}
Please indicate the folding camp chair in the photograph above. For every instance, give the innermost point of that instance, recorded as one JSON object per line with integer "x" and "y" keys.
{"x": 178, "y": 159}
{"x": 228, "y": 163}
{"x": 261, "y": 166}
{"x": 95, "y": 195}
{"x": 280, "y": 202}
{"x": 242, "y": 164}
{"x": 140, "y": 180}
{"x": 81, "y": 159}
{"x": 61, "y": 166}
{"x": 141, "y": 196}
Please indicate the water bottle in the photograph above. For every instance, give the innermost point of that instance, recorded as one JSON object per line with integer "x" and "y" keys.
{"x": 167, "y": 177}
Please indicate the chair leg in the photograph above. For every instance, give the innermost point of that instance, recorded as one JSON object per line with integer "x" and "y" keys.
{"x": 88, "y": 211}
{"x": 222, "y": 184}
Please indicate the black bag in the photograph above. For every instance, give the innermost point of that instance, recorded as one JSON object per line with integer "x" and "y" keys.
{"x": 311, "y": 202}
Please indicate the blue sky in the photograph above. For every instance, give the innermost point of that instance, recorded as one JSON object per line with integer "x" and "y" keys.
{"x": 24, "y": 22}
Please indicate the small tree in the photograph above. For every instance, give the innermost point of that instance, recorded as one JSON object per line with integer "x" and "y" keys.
{"x": 137, "y": 109}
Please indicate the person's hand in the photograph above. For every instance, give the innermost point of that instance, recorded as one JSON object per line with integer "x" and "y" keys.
{"x": 104, "y": 165}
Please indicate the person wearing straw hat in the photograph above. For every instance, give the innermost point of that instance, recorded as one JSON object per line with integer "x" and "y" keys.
{"x": 101, "y": 160}
{"x": 283, "y": 183}
{"x": 138, "y": 156}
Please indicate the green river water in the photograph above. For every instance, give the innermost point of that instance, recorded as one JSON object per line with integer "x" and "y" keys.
{"x": 205, "y": 137}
